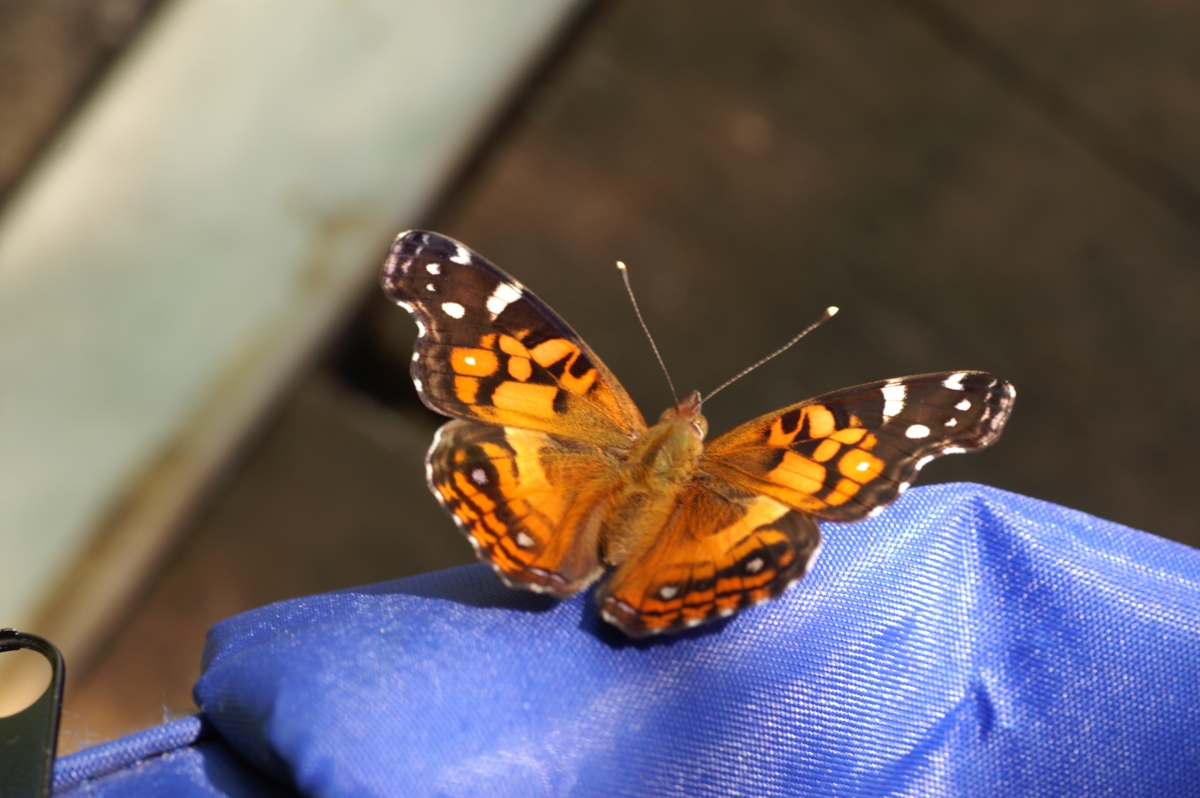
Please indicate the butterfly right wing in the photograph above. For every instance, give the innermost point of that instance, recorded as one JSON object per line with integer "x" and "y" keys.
{"x": 849, "y": 453}
{"x": 489, "y": 350}
{"x": 528, "y": 502}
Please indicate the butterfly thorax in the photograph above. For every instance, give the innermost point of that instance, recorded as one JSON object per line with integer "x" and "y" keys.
{"x": 656, "y": 469}
{"x": 669, "y": 452}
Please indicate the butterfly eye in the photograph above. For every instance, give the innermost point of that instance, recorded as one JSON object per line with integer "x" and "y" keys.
{"x": 701, "y": 425}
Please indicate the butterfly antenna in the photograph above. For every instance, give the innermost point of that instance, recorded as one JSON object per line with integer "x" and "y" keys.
{"x": 633, "y": 299}
{"x": 829, "y": 314}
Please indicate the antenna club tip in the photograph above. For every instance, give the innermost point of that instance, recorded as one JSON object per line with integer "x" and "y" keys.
{"x": 831, "y": 310}
{"x": 621, "y": 265}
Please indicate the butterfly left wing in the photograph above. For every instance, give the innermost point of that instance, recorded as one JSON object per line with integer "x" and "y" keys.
{"x": 849, "y": 453}
{"x": 723, "y": 550}
{"x": 489, "y": 350}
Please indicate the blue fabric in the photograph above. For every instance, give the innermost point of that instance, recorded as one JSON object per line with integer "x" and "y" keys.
{"x": 182, "y": 759}
{"x": 965, "y": 642}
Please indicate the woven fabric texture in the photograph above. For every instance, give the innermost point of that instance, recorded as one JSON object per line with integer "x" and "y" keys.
{"x": 182, "y": 759}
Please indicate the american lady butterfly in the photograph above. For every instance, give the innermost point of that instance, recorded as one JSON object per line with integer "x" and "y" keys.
{"x": 553, "y": 475}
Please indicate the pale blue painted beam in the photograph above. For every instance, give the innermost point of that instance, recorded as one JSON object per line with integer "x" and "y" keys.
{"x": 206, "y": 221}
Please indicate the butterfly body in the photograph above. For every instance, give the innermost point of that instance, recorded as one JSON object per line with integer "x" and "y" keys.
{"x": 554, "y": 477}
{"x": 650, "y": 477}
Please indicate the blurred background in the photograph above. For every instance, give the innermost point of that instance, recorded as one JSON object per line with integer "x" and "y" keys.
{"x": 204, "y": 399}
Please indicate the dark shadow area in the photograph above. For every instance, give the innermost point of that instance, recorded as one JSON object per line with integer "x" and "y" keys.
{"x": 470, "y": 585}
{"x": 235, "y": 777}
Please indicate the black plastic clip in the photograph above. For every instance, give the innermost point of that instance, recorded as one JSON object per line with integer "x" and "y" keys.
{"x": 29, "y": 738}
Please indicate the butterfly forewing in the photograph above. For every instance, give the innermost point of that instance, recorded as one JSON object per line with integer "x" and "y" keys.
{"x": 489, "y": 350}
{"x": 846, "y": 454}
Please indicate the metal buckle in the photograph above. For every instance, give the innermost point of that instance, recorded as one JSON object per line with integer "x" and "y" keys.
{"x": 29, "y": 738}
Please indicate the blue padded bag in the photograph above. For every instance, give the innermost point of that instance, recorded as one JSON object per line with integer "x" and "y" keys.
{"x": 966, "y": 642}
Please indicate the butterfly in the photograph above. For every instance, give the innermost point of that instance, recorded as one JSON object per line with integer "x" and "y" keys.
{"x": 553, "y": 475}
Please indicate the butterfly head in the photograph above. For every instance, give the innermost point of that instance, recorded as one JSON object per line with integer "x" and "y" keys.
{"x": 687, "y": 414}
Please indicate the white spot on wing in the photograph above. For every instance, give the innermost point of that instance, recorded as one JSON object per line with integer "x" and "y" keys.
{"x": 417, "y": 384}
{"x": 917, "y": 431}
{"x": 480, "y": 476}
{"x": 951, "y": 423}
{"x": 406, "y": 305}
{"x": 667, "y": 591}
{"x": 524, "y": 541}
{"x": 875, "y": 512}
{"x": 470, "y": 360}
{"x": 502, "y": 297}
{"x": 953, "y": 450}
{"x": 433, "y": 268}
{"x": 863, "y": 466}
{"x": 454, "y": 309}
{"x": 903, "y": 487}
{"x": 965, "y": 404}
{"x": 461, "y": 256}
{"x": 430, "y": 287}
{"x": 954, "y": 381}
{"x": 893, "y": 399}
{"x": 924, "y": 461}
{"x": 755, "y": 565}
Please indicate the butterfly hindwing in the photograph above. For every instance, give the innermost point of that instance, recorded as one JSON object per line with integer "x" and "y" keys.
{"x": 488, "y": 349}
{"x": 524, "y": 499}
{"x": 849, "y": 453}
{"x": 723, "y": 550}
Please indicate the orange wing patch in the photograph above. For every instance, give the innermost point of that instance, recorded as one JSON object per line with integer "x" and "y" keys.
{"x": 554, "y": 386}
